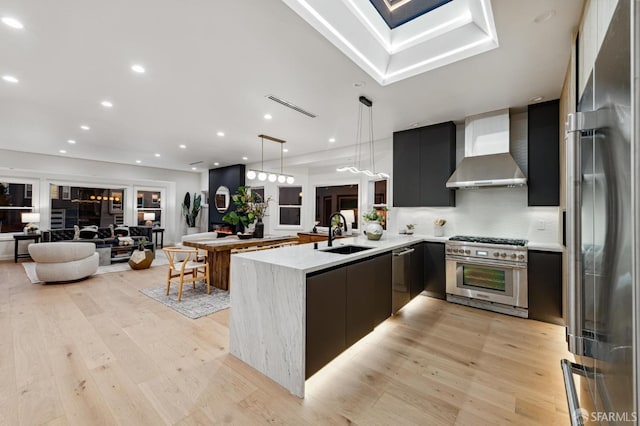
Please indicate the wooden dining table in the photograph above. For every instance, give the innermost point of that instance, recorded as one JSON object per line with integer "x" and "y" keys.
{"x": 219, "y": 253}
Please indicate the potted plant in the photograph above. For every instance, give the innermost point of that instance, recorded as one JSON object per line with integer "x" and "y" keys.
{"x": 191, "y": 213}
{"x": 259, "y": 210}
{"x": 244, "y": 212}
{"x": 438, "y": 227}
{"x": 373, "y": 228}
{"x": 141, "y": 243}
{"x": 410, "y": 227}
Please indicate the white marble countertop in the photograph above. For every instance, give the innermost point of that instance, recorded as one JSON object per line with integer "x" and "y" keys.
{"x": 546, "y": 247}
{"x": 305, "y": 258}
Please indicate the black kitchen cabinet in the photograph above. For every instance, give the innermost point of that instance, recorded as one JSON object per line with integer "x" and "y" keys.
{"x": 326, "y": 318}
{"x": 544, "y": 279}
{"x": 543, "y": 182}
{"x": 423, "y": 160}
{"x": 368, "y": 296}
{"x": 416, "y": 285}
{"x": 344, "y": 305}
{"x": 435, "y": 270}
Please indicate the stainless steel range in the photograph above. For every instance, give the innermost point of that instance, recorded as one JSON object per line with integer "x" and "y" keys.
{"x": 488, "y": 273}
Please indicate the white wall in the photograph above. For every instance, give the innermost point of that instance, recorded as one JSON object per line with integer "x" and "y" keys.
{"x": 44, "y": 169}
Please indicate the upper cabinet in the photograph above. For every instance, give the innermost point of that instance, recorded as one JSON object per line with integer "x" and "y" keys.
{"x": 423, "y": 160}
{"x": 595, "y": 22}
{"x": 543, "y": 183}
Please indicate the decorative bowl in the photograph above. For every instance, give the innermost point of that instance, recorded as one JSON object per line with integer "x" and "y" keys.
{"x": 245, "y": 236}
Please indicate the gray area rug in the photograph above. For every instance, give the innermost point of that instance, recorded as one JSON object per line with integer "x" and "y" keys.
{"x": 160, "y": 260}
{"x": 195, "y": 303}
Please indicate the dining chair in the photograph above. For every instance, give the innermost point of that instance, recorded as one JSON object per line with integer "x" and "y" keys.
{"x": 184, "y": 267}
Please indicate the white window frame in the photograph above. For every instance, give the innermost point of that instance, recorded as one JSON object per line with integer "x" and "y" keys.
{"x": 35, "y": 195}
{"x": 287, "y": 226}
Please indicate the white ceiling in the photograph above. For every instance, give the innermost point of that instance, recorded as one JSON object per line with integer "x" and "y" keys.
{"x": 210, "y": 65}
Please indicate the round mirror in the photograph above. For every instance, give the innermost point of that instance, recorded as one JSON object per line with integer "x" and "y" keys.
{"x": 222, "y": 199}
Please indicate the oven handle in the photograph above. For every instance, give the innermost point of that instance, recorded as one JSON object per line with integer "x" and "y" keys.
{"x": 475, "y": 261}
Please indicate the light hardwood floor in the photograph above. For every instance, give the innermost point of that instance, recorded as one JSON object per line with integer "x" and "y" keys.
{"x": 100, "y": 352}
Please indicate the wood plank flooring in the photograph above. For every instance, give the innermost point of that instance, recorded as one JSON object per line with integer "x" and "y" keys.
{"x": 100, "y": 352}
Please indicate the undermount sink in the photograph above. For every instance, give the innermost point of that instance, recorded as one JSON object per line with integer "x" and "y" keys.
{"x": 349, "y": 249}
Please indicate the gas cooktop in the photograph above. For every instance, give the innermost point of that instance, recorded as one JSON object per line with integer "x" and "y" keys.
{"x": 489, "y": 240}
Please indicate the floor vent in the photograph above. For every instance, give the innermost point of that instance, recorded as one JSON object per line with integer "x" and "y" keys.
{"x": 290, "y": 105}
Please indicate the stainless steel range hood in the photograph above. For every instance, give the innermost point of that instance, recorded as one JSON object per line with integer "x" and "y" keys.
{"x": 487, "y": 161}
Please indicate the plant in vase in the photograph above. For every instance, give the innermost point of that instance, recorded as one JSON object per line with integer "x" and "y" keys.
{"x": 191, "y": 213}
{"x": 409, "y": 228}
{"x": 259, "y": 210}
{"x": 373, "y": 228}
{"x": 141, "y": 243}
{"x": 249, "y": 207}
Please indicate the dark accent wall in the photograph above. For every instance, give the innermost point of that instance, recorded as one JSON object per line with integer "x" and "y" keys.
{"x": 232, "y": 177}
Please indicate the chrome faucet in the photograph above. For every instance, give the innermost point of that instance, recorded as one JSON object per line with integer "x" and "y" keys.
{"x": 344, "y": 220}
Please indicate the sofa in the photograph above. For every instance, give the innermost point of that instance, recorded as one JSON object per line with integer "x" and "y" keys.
{"x": 64, "y": 262}
{"x": 101, "y": 236}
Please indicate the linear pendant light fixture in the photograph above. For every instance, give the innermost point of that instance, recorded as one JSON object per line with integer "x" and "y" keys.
{"x": 263, "y": 175}
{"x": 357, "y": 168}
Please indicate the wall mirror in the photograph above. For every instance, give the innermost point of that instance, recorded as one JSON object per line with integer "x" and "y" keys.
{"x": 222, "y": 199}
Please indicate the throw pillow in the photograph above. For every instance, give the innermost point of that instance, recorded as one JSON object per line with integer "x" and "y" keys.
{"x": 89, "y": 232}
{"x": 76, "y": 232}
{"x": 121, "y": 231}
{"x": 111, "y": 228}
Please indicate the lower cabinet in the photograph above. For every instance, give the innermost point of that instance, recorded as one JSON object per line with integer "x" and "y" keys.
{"x": 435, "y": 284}
{"x": 326, "y": 317}
{"x": 416, "y": 285}
{"x": 544, "y": 282}
{"x": 344, "y": 305}
{"x": 368, "y": 296}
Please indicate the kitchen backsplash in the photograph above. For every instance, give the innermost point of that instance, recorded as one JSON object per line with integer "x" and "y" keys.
{"x": 496, "y": 212}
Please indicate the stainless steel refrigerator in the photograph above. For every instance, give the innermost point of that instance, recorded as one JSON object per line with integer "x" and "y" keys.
{"x": 601, "y": 236}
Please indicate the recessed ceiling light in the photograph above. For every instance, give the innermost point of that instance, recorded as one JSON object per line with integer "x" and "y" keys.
{"x": 138, "y": 68}
{"x": 285, "y": 150}
{"x": 157, "y": 155}
{"x": 106, "y": 104}
{"x": 138, "y": 161}
{"x": 71, "y": 141}
{"x": 245, "y": 158}
{"x": 183, "y": 146}
{"x": 332, "y": 140}
{"x": 194, "y": 168}
{"x": 216, "y": 164}
{"x": 85, "y": 127}
{"x": 10, "y": 79}
{"x": 544, "y": 16}
{"x": 268, "y": 117}
{"x": 536, "y": 99}
{"x": 62, "y": 151}
{"x": 12, "y": 22}
{"x": 221, "y": 134}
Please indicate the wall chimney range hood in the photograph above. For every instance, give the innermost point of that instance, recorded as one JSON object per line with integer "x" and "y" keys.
{"x": 487, "y": 161}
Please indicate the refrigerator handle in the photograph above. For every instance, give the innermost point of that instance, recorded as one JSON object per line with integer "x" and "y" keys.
{"x": 576, "y": 123}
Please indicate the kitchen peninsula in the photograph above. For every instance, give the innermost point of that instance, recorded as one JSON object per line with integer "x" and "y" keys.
{"x": 270, "y": 302}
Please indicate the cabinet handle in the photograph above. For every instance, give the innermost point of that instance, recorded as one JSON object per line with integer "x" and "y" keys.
{"x": 404, "y": 252}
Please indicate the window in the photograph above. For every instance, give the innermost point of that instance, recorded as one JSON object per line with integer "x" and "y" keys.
{"x": 290, "y": 205}
{"x": 14, "y": 200}
{"x": 84, "y": 206}
{"x": 331, "y": 199}
{"x": 149, "y": 208}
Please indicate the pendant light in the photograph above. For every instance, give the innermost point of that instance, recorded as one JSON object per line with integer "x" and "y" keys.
{"x": 263, "y": 175}
{"x": 357, "y": 167}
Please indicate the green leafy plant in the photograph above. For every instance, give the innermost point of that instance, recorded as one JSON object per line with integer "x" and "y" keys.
{"x": 374, "y": 215}
{"x": 246, "y": 212}
{"x": 191, "y": 213}
{"x": 141, "y": 242}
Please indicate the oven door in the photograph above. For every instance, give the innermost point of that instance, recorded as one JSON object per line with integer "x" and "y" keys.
{"x": 498, "y": 282}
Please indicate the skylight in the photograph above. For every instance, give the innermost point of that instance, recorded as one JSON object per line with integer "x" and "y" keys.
{"x": 452, "y": 31}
